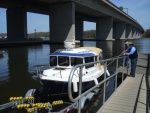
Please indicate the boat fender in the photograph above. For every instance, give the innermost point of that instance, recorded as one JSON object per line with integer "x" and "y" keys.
{"x": 90, "y": 95}
{"x": 30, "y": 92}
{"x": 75, "y": 86}
{"x": 108, "y": 74}
{"x": 96, "y": 81}
{"x": 83, "y": 99}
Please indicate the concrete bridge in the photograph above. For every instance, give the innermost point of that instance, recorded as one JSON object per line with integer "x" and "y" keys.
{"x": 67, "y": 16}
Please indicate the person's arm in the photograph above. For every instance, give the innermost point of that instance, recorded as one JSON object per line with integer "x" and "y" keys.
{"x": 132, "y": 51}
{"x": 126, "y": 50}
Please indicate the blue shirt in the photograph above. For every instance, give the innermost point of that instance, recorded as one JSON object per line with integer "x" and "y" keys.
{"x": 127, "y": 48}
{"x": 132, "y": 51}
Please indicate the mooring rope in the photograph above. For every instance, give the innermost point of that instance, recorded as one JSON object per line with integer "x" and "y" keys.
{"x": 114, "y": 59}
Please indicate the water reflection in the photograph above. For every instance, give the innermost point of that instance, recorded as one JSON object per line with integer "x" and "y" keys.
{"x": 4, "y": 68}
{"x": 18, "y": 77}
{"x": 118, "y": 47}
{"x": 107, "y": 47}
{"x": 37, "y": 55}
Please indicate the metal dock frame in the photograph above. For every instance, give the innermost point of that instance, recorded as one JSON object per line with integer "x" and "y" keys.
{"x": 81, "y": 95}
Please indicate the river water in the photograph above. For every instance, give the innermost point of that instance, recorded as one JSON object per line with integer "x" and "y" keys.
{"x": 18, "y": 64}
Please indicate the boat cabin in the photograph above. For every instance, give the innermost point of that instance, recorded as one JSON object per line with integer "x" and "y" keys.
{"x": 72, "y": 57}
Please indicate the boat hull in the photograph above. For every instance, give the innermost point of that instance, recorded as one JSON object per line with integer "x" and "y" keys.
{"x": 54, "y": 88}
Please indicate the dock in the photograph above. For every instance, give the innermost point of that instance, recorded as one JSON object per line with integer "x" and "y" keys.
{"x": 131, "y": 95}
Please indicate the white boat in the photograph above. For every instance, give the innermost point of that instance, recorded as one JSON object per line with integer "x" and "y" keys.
{"x": 55, "y": 78}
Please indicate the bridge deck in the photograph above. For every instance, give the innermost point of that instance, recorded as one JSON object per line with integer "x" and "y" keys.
{"x": 128, "y": 98}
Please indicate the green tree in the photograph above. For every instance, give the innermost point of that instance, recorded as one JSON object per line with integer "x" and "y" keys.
{"x": 146, "y": 33}
{"x": 89, "y": 34}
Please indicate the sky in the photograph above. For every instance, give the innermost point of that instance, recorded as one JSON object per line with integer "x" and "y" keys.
{"x": 137, "y": 9}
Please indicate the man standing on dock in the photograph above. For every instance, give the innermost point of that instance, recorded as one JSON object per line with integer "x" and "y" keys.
{"x": 132, "y": 53}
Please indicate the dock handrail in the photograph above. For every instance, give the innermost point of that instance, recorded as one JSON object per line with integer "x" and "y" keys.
{"x": 78, "y": 98}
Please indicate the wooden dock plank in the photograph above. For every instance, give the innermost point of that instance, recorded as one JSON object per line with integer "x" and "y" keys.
{"x": 124, "y": 98}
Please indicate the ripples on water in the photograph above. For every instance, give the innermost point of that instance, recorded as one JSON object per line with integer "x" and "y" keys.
{"x": 143, "y": 45}
{"x": 4, "y": 69}
{"x": 18, "y": 64}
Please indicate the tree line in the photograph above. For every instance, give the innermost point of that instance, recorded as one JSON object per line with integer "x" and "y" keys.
{"x": 86, "y": 34}
{"x": 146, "y": 33}
{"x": 90, "y": 34}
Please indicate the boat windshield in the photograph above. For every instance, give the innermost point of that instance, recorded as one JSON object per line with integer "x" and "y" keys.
{"x": 53, "y": 61}
{"x": 76, "y": 61}
{"x": 63, "y": 61}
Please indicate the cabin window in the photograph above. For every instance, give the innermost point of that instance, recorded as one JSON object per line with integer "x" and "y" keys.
{"x": 76, "y": 61}
{"x": 63, "y": 61}
{"x": 53, "y": 61}
{"x": 89, "y": 59}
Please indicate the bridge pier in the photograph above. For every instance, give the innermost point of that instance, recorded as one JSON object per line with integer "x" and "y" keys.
{"x": 137, "y": 33}
{"x": 16, "y": 23}
{"x": 119, "y": 30}
{"x": 128, "y": 31}
{"x": 133, "y": 32}
{"x": 104, "y": 28}
{"x": 78, "y": 29}
{"x": 62, "y": 22}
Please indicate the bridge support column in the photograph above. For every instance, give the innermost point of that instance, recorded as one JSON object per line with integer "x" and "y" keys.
{"x": 139, "y": 34}
{"x": 104, "y": 28}
{"x": 136, "y": 35}
{"x": 119, "y": 30}
{"x": 16, "y": 23}
{"x": 78, "y": 29}
{"x": 128, "y": 31}
{"x": 62, "y": 22}
{"x": 133, "y": 32}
